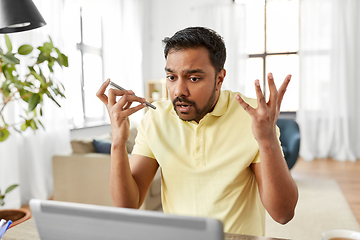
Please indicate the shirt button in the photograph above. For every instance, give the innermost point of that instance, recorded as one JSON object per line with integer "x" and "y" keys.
{"x": 198, "y": 148}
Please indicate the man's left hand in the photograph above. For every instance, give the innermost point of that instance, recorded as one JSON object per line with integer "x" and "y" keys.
{"x": 264, "y": 117}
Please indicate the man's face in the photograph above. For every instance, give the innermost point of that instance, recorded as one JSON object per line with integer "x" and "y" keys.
{"x": 192, "y": 82}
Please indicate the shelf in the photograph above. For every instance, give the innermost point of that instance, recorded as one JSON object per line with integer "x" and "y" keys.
{"x": 158, "y": 85}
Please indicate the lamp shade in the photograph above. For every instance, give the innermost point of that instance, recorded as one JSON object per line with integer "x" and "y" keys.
{"x": 19, "y": 15}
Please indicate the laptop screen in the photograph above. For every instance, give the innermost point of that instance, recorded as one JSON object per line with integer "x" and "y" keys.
{"x": 64, "y": 220}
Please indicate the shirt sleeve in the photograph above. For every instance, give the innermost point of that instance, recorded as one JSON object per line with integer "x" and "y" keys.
{"x": 257, "y": 157}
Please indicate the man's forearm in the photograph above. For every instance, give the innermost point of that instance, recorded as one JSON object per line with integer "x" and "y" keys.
{"x": 123, "y": 188}
{"x": 279, "y": 192}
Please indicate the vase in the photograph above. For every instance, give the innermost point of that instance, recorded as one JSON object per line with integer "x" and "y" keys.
{"x": 155, "y": 96}
{"x": 17, "y": 216}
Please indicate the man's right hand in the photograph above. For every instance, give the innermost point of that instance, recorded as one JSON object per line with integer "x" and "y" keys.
{"x": 130, "y": 180}
{"x": 119, "y": 111}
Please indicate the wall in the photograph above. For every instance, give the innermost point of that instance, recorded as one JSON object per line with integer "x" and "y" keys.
{"x": 167, "y": 17}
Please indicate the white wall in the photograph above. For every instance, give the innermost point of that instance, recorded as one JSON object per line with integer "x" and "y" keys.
{"x": 167, "y": 17}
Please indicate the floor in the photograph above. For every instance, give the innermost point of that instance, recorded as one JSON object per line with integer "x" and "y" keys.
{"x": 347, "y": 174}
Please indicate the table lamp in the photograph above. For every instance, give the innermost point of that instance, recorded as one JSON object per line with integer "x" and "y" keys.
{"x": 19, "y": 15}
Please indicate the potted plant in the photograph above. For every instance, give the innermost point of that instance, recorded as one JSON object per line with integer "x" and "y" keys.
{"x": 15, "y": 215}
{"x": 29, "y": 89}
{"x": 2, "y": 196}
{"x": 155, "y": 95}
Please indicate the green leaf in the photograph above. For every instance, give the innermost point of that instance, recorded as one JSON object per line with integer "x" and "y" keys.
{"x": 52, "y": 98}
{"x": 62, "y": 86}
{"x": 38, "y": 77}
{"x": 35, "y": 113}
{"x": 65, "y": 60}
{"x": 42, "y": 58}
{"x": 33, "y": 101}
{"x": 9, "y": 73}
{"x": 50, "y": 82}
{"x": 10, "y": 67}
{"x": 57, "y": 91}
{"x": 51, "y": 63}
{"x": 31, "y": 68}
{"x": 41, "y": 124}
{"x": 5, "y": 89}
{"x": 10, "y": 58}
{"x": 4, "y": 134}
{"x": 23, "y": 92}
{"x": 28, "y": 84}
{"x": 59, "y": 59}
{"x": 62, "y": 59}
{"x": 9, "y": 189}
{"x": 8, "y": 43}
{"x": 43, "y": 83}
{"x": 24, "y": 126}
{"x": 18, "y": 84}
{"x": 6, "y": 92}
{"x": 51, "y": 40}
{"x": 33, "y": 124}
{"x": 46, "y": 48}
{"x": 25, "y": 49}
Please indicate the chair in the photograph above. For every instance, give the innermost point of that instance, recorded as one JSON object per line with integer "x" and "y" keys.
{"x": 290, "y": 140}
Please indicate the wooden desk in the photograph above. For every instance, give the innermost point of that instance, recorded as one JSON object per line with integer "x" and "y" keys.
{"x": 27, "y": 231}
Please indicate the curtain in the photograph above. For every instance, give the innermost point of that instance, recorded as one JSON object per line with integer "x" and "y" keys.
{"x": 122, "y": 52}
{"x": 229, "y": 21}
{"x": 26, "y": 159}
{"x": 329, "y": 111}
{"x": 123, "y": 45}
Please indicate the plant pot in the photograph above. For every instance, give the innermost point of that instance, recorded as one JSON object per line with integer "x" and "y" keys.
{"x": 155, "y": 96}
{"x": 17, "y": 216}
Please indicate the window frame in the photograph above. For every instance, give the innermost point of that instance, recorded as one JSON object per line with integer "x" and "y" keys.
{"x": 88, "y": 49}
{"x": 265, "y": 54}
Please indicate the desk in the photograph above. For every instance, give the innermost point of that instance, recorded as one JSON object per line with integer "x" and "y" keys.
{"x": 27, "y": 231}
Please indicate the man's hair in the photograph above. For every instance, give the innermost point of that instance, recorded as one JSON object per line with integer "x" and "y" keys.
{"x": 196, "y": 37}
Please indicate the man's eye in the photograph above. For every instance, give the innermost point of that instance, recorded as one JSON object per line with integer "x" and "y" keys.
{"x": 194, "y": 79}
{"x": 171, "y": 78}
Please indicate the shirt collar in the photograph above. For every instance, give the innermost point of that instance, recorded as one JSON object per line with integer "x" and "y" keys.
{"x": 221, "y": 105}
{"x": 172, "y": 111}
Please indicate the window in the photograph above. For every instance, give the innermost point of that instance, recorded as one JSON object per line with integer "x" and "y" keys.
{"x": 85, "y": 40}
{"x": 272, "y": 32}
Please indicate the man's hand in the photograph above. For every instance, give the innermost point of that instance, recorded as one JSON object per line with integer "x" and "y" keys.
{"x": 264, "y": 117}
{"x": 129, "y": 179}
{"x": 277, "y": 188}
{"x": 120, "y": 111}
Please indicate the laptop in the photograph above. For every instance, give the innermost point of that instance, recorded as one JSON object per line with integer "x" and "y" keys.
{"x": 65, "y": 220}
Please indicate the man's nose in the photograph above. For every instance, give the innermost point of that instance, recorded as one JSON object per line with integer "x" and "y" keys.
{"x": 181, "y": 88}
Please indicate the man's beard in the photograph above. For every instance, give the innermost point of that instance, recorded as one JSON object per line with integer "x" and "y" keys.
{"x": 199, "y": 113}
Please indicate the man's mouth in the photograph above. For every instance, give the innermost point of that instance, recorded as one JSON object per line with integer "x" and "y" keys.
{"x": 183, "y": 107}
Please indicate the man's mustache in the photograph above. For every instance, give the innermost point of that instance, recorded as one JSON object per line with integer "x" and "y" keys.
{"x": 183, "y": 100}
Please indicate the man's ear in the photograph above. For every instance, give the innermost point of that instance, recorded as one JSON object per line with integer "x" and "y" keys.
{"x": 220, "y": 79}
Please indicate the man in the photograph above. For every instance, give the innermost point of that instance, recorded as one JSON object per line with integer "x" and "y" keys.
{"x": 218, "y": 151}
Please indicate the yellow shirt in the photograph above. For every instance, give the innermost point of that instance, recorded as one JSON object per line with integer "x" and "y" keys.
{"x": 205, "y": 166}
